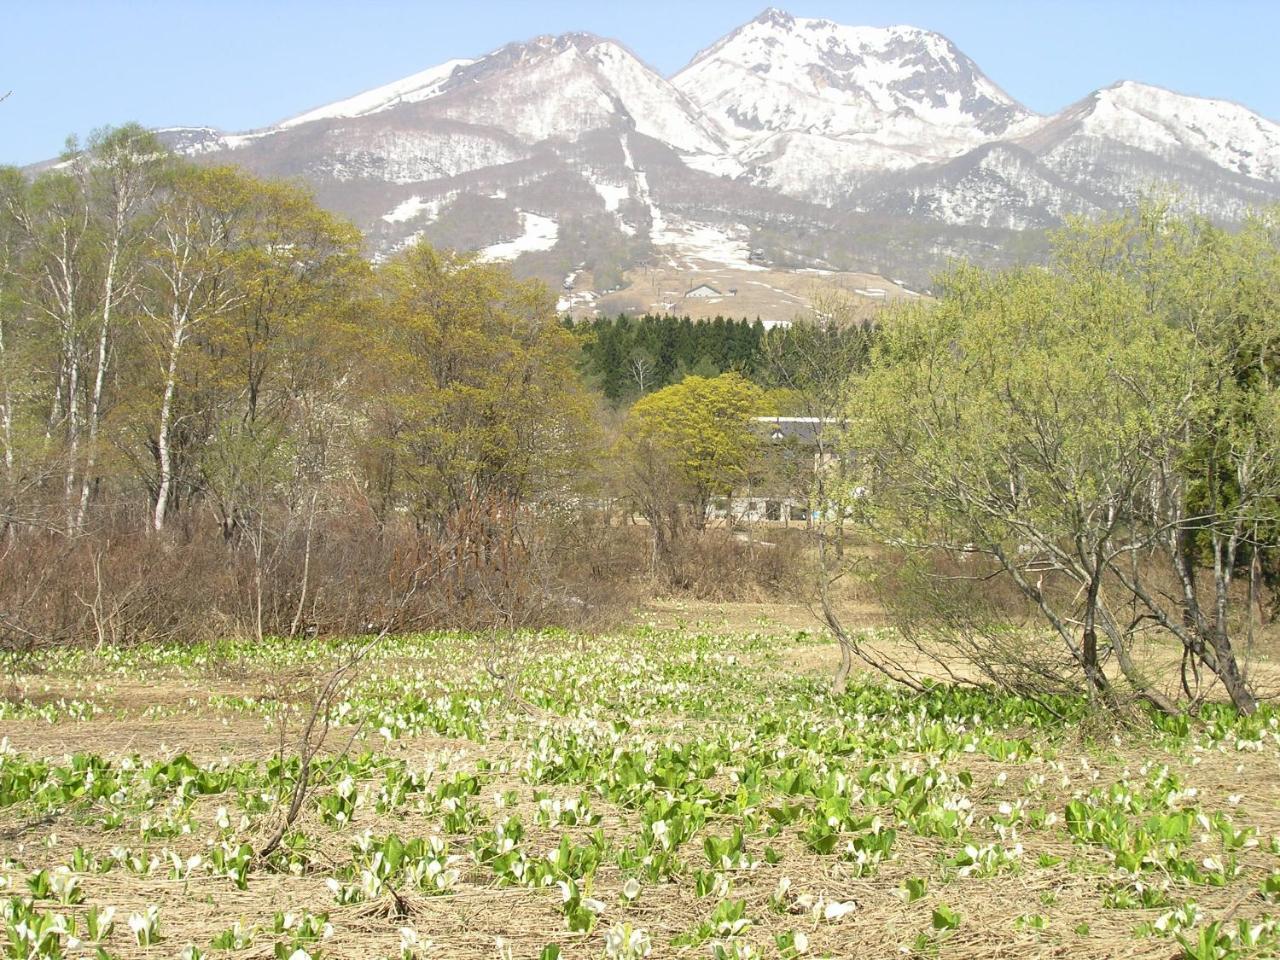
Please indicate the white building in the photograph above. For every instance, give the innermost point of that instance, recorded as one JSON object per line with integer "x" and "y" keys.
{"x": 703, "y": 291}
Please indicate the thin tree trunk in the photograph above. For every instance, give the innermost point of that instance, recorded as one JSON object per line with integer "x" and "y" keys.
{"x": 6, "y": 433}
{"x": 6, "y": 411}
{"x": 100, "y": 376}
{"x": 165, "y": 477}
{"x": 1090, "y": 640}
{"x": 73, "y": 431}
{"x": 1257, "y": 609}
{"x": 6, "y": 397}
{"x": 306, "y": 570}
{"x": 67, "y": 308}
{"x": 257, "y": 577}
{"x": 1234, "y": 682}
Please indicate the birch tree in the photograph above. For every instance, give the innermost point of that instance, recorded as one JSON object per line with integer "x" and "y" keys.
{"x": 189, "y": 277}
{"x": 283, "y": 349}
{"x": 11, "y": 186}
{"x": 120, "y": 171}
{"x": 56, "y": 227}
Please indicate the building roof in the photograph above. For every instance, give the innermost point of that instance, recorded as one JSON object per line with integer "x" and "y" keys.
{"x": 799, "y": 429}
{"x": 704, "y": 286}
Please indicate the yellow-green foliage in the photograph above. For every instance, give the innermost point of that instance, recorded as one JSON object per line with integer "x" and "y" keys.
{"x": 1088, "y": 421}
{"x": 703, "y": 425}
{"x": 472, "y": 388}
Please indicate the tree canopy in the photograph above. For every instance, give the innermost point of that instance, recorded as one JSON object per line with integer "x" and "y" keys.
{"x": 704, "y": 426}
{"x": 627, "y": 357}
{"x": 1076, "y": 425}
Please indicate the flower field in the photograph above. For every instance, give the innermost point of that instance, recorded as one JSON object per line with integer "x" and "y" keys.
{"x": 658, "y": 793}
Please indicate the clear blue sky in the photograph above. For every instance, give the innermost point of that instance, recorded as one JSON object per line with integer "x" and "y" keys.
{"x": 241, "y": 64}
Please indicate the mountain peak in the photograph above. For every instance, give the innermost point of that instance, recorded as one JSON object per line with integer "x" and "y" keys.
{"x": 775, "y": 17}
{"x": 785, "y": 88}
{"x": 1164, "y": 123}
{"x": 559, "y": 42}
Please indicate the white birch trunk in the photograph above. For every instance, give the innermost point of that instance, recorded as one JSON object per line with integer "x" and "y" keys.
{"x": 100, "y": 376}
{"x": 165, "y": 479}
{"x": 73, "y": 423}
{"x": 6, "y": 410}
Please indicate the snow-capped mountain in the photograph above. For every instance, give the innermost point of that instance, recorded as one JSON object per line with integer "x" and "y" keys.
{"x": 795, "y": 141}
{"x": 1131, "y": 138}
{"x": 1172, "y": 126}
{"x": 561, "y": 87}
{"x": 1105, "y": 152}
{"x": 803, "y": 99}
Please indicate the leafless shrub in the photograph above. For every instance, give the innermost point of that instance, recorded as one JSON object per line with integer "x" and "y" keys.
{"x": 335, "y": 576}
{"x": 753, "y": 564}
{"x": 964, "y": 619}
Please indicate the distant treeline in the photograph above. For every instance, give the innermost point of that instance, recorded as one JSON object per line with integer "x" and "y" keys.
{"x": 625, "y": 356}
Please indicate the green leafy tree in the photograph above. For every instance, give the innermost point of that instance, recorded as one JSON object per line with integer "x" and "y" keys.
{"x": 469, "y": 389}
{"x": 683, "y": 446}
{"x": 1053, "y": 422}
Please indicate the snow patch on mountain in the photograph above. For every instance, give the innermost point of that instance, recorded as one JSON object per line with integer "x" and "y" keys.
{"x": 611, "y": 193}
{"x": 415, "y": 208}
{"x": 718, "y": 165}
{"x": 656, "y": 222}
{"x": 729, "y": 246}
{"x": 412, "y": 89}
{"x": 235, "y": 141}
{"x": 540, "y": 233}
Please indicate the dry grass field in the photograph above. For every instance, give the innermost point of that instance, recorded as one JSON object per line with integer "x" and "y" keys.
{"x": 746, "y": 290}
{"x": 688, "y": 788}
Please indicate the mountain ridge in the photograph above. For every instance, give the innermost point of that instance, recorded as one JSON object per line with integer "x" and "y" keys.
{"x": 802, "y": 141}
